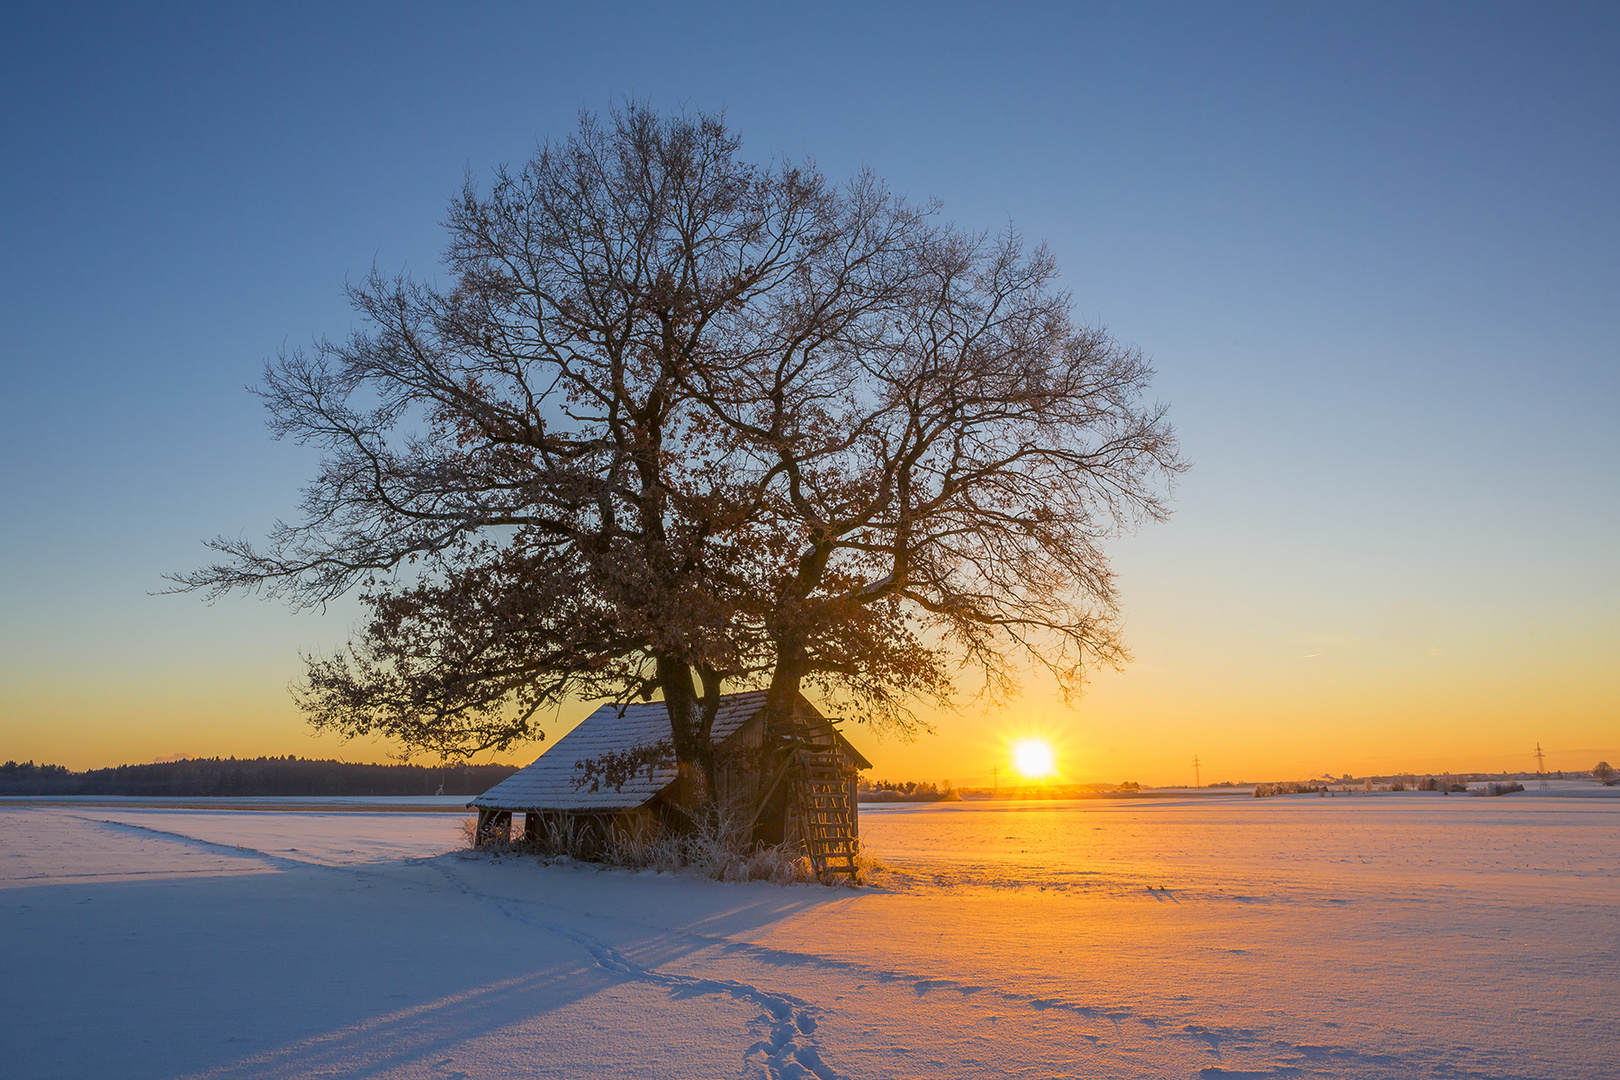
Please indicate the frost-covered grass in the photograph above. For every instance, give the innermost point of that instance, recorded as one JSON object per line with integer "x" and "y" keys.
{"x": 1393, "y": 936}
{"x": 717, "y": 846}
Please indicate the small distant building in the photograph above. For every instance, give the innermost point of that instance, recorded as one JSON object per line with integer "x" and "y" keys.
{"x": 799, "y": 786}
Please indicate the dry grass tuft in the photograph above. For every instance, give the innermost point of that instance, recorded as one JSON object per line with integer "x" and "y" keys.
{"x": 715, "y": 845}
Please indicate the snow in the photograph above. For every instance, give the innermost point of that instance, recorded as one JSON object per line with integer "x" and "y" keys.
{"x": 1199, "y": 936}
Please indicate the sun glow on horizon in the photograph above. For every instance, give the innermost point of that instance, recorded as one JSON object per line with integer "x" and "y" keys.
{"x": 1033, "y": 758}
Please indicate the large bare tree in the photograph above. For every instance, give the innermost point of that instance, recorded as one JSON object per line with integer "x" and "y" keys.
{"x": 680, "y": 422}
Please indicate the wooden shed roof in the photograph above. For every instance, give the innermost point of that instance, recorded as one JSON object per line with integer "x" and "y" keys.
{"x": 548, "y": 784}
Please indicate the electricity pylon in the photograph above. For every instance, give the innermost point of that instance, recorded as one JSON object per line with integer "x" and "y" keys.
{"x": 1541, "y": 767}
{"x": 1197, "y": 779}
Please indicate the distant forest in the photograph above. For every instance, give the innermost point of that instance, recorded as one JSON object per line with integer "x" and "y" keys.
{"x": 252, "y": 776}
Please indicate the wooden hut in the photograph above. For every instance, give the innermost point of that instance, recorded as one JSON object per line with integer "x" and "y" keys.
{"x": 796, "y": 786}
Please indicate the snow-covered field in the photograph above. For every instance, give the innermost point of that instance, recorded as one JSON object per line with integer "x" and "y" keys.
{"x": 1368, "y": 936}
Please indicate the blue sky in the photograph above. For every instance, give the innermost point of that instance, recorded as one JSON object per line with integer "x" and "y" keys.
{"x": 1374, "y": 251}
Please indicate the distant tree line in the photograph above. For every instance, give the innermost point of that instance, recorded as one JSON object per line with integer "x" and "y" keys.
{"x": 1291, "y": 787}
{"x": 249, "y": 777}
{"x": 904, "y": 791}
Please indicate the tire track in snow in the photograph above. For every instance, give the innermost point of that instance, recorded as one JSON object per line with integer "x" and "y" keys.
{"x": 790, "y": 1048}
{"x": 280, "y": 862}
{"x": 1304, "y": 1058}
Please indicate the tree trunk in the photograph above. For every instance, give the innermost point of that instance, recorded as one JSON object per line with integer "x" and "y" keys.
{"x": 712, "y": 683}
{"x": 780, "y": 702}
{"x": 689, "y": 733}
{"x": 783, "y": 694}
{"x": 792, "y": 650}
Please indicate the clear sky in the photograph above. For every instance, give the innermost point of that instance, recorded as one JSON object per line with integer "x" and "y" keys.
{"x": 1373, "y": 250}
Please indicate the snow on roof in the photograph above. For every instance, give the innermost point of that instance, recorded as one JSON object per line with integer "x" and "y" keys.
{"x": 548, "y": 784}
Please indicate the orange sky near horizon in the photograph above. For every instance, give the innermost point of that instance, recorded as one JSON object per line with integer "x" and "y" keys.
{"x": 1113, "y": 736}
{"x": 1375, "y": 698}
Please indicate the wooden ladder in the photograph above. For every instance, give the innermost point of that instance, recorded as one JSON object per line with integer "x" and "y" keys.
{"x": 829, "y": 822}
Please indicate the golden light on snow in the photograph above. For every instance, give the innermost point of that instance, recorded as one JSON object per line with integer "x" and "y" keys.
{"x": 1033, "y": 758}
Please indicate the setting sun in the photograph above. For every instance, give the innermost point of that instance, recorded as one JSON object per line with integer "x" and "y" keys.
{"x": 1033, "y": 758}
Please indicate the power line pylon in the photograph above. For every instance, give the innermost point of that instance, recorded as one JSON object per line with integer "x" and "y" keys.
{"x": 1541, "y": 768}
{"x": 1197, "y": 778}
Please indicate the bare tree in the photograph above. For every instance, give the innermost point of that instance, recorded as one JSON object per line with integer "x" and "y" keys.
{"x": 680, "y": 422}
